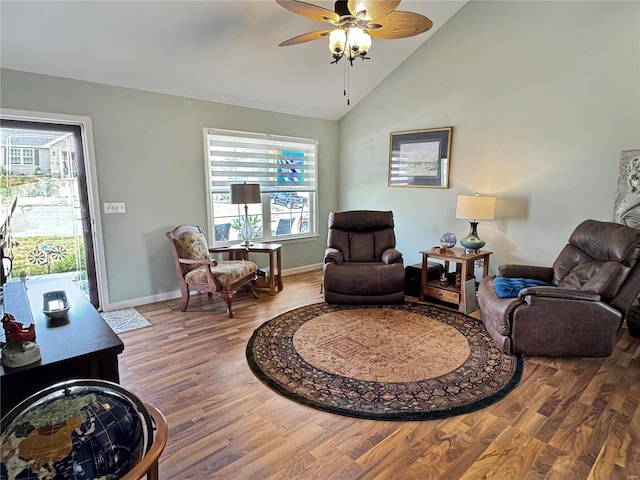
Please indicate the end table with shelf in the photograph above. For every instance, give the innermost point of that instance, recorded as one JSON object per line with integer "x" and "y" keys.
{"x": 448, "y": 291}
{"x": 273, "y": 278}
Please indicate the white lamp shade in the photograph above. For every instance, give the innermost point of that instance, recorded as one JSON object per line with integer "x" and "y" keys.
{"x": 475, "y": 207}
{"x": 243, "y": 193}
{"x": 365, "y": 43}
{"x": 337, "y": 39}
{"x": 358, "y": 41}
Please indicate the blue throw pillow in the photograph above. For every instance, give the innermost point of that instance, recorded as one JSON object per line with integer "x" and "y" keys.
{"x": 506, "y": 287}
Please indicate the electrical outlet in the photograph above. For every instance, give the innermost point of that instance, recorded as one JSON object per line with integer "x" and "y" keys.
{"x": 118, "y": 207}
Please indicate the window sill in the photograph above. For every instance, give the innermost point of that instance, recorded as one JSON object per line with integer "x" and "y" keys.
{"x": 283, "y": 240}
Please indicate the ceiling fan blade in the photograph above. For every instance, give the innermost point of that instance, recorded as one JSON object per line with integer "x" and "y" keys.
{"x": 401, "y": 25}
{"x": 310, "y": 11}
{"x": 376, "y": 9}
{"x": 307, "y": 37}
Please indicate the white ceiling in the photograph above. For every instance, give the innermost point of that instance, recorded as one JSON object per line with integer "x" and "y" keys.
{"x": 223, "y": 51}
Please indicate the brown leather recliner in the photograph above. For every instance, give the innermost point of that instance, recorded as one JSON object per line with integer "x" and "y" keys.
{"x": 361, "y": 263}
{"x": 592, "y": 284}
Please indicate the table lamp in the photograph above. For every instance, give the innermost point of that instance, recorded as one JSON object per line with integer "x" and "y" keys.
{"x": 245, "y": 193}
{"x": 474, "y": 208}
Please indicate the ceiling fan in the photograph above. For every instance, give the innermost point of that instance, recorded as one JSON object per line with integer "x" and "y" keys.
{"x": 354, "y": 22}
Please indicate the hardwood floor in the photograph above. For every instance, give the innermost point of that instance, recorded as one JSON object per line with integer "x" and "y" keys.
{"x": 568, "y": 419}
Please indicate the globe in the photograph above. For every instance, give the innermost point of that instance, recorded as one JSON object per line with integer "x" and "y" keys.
{"x": 448, "y": 240}
{"x": 80, "y": 429}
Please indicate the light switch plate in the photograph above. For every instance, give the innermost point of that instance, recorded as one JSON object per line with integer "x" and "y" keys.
{"x": 117, "y": 207}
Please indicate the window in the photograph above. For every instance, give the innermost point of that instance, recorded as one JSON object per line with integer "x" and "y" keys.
{"x": 16, "y": 156}
{"x": 22, "y": 156}
{"x": 27, "y": 156}
{"x": 285, "y": 168}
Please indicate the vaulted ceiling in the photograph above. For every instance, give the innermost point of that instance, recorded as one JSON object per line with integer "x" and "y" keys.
{"x": 223, "y": 51}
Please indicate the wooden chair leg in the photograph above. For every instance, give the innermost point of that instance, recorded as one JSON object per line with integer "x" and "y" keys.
{"x": 228, "y": 299}
{"x": 185, "y": 298}
{"x": 254, "y": 284}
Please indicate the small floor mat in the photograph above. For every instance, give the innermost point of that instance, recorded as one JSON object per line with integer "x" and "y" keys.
{"x": 125, "y": 320}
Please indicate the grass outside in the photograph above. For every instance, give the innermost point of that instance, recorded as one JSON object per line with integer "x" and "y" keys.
{"x": 24, "y": 251}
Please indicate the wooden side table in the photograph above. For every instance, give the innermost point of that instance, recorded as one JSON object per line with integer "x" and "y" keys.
{"x": 274, "y": 250}
{"x": 448, "y": 291}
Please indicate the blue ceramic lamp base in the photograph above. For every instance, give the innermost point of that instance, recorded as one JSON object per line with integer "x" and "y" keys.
{"x": 472, "y": 243}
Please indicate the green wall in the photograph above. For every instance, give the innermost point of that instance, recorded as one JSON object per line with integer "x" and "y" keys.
{"x": 149, "y": 154}
{"x": 542, "y": 97}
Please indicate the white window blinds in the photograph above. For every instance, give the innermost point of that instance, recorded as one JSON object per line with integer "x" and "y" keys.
{"x": 277, "y": 163}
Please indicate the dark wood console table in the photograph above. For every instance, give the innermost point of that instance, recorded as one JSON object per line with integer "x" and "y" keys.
{"x": 80, "y": 345}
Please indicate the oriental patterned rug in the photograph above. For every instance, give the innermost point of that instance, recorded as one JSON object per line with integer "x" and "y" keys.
{"x": 394, "y": 362}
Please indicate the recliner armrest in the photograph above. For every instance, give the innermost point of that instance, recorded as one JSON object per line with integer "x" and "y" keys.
{"x": 526, "y": 271}
{"x": 555, "y": 292}
{"x": 333, "y": 255}
{"x": 391, "y": 255}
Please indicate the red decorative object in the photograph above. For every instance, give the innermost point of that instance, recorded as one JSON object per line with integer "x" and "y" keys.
{"x": 15, "y": 331}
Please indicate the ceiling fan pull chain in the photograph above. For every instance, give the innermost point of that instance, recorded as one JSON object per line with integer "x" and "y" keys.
{"x": 344, "y": 83}
{"x": 346, "y": 80}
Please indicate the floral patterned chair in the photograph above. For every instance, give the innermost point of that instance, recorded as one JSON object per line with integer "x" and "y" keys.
{"x": 198, "y": 272}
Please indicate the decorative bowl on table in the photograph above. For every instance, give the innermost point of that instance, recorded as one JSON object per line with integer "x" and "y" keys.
{"x": 55, "y": 304}
{"x": 448, "y": 240}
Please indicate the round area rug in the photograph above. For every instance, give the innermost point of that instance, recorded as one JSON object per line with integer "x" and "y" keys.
{"x": 392, "y": 362}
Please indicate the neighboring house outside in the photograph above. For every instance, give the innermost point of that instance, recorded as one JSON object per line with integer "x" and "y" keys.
{"x": 36, "y": 153}
{"x": 28, "y": 153}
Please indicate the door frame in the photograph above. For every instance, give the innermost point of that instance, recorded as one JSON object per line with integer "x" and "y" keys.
{"x": 86, "y": 131}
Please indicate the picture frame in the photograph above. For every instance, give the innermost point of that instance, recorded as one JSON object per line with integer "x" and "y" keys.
{"x": 627, "y": 204}
{"x": 420, "y": 158}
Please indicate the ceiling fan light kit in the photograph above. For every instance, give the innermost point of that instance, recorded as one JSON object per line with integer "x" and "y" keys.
{"x": 353, "y": 42}
{"x": 355, "y": 22}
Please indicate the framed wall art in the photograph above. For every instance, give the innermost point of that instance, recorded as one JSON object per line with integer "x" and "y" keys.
{"x": 420, "y": 158}
{"x": 627, "y": 203}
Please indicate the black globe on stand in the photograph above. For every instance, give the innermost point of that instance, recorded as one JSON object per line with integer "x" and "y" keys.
{"x": 79, "y": 429}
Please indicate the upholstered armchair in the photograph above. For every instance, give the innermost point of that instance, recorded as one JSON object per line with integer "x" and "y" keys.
{"x": 198, "y": 272}
{"x": 581, "y": 301}
{"x": 361, "y": 263}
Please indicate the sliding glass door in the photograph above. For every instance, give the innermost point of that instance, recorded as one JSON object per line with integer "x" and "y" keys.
{"x": 44, "y": 205}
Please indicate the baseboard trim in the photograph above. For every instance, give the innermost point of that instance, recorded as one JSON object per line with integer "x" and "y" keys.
{"x": 136, "y": 302}
{"x": 161, "y": 297}
{"x": 305, "y": 268}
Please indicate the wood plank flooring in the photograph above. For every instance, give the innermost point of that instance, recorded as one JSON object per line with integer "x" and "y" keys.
{"x": 568, "y": 419}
